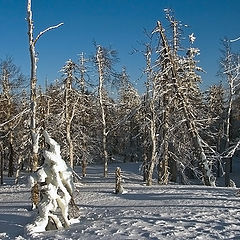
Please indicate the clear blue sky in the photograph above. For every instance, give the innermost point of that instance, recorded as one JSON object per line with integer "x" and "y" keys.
{"x": 118, "y": 23}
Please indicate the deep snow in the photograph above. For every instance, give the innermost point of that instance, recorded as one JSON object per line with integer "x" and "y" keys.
{"x": 157, "y": 212}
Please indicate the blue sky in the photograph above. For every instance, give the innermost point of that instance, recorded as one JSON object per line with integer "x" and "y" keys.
{"x": 118, "y": 23}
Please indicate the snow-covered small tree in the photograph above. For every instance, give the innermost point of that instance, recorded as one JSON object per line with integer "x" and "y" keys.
{"x": 55, "y": 181}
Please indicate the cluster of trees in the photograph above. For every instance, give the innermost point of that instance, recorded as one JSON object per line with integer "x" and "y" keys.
{"x": 175, "y": 129}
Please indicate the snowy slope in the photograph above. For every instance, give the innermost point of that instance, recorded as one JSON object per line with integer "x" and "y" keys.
{"x": 157, "y": 212}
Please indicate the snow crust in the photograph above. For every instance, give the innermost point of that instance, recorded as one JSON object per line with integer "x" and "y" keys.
{"x": 156, "y": 212}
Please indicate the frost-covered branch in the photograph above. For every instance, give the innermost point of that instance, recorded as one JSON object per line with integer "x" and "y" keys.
{"x": 15, "y": 117}
{"x": 231, "y": 151}
{"x": 46, "y": 30}
{"x": 234, "y": 40}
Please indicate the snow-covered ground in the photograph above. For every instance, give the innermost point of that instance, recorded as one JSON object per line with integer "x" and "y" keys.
{"x": 157, "y": 212}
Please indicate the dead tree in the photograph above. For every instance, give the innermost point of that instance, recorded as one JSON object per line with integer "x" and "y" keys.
{"x": 8, "y": 108}
{"x": 10, "y": 79}
{"x": 70, "y": 108}
{"x": 153, "y": 131}
{"x": 100, "y": 64}
{"x": 83, "y": 70}
{"x": 198, "y": 145}
{"x": 33, "y": 86}
{"x": 231, "y": 69}
{"x": 146, "y": 115}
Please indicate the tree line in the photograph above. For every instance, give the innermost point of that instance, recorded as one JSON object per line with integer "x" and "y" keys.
{"x": 178, "y": 131}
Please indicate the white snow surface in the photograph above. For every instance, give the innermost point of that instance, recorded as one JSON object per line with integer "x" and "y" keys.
{"x": 157, "y": 212}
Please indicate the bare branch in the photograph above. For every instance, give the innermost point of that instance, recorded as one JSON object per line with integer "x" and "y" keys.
{"x": 15, "y": 117}
{"x": 234, "y": 40}
{"x": 46, "y": 30}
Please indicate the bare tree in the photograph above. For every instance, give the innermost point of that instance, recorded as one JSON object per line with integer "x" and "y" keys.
{"x": 182, "y": 80}
{"x": 70, "y": 107}
{"x": 230, "y": 65}
{"x": 104, "y": 60}
{"x": 33, "y": 95}
{"x": 11, "y": 79}
{"x": 100, "y": 63}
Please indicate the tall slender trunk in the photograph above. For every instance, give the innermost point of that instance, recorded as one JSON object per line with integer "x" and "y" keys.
{"x": 227, "y": 133}
{"x": 18, "y": 169}
{"x": 70, "y": 143}
{"x": 163, "y": 176}
{"x": 7, "y": 94}
{"x": 10, "y": 155}
{"x": 2, "y": 164}
{"x": 153, "y": 122}
{"x": 103, "y": 115}
{"x": 68, "y": 118}
{"x": 33, "y": 102}
{"x": 33, "y": 93}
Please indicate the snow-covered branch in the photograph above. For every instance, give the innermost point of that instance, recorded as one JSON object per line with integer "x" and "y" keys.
{"x": 232, "y": 150}
{"x": 15, "y": 117}
{"x": 234, "y": 40}
{"x": 46, "y": 30}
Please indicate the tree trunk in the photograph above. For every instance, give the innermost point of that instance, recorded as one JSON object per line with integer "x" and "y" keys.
{"x": 163, "y": 175}
{"x": 84, "y": 167}
{"x": 33, "y": 94}
{"x": 10, "y": 160}
{"x": 68, "y": 86}
{"x": 145, "y": 166}
{"x": 33, "y": 101}
{"x": 227, "y": 133}
{"x": 18, "y": 169}
{"x": 154, "y": 142}
{"x": 103, "y": 115}
{"x": 33, "y": 85}
{"x": 118, "y": 181}
{"x": 2, "y": 164}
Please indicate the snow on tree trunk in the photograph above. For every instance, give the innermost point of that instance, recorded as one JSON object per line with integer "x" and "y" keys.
{"x": 19, "y": 166}
{"x": 228, "y": 117}
{"x": 33, "y": 85}
{"x": 2, "y": 163}
{"x": 118, "y": 187}
{"x": 154, "y": 143}
{"x": 56, "y": 187}
{"x": 100, "y": 65}
{"x": 152, "y": 118}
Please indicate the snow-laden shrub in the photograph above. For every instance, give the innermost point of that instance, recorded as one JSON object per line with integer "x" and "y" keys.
{"x": 56, "y": 187}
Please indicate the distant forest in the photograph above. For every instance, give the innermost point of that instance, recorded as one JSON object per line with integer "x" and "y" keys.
{"x": 178, "y": 131}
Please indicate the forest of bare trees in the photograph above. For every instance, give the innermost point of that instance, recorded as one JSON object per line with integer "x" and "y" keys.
{"x": 177, "y": 130}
